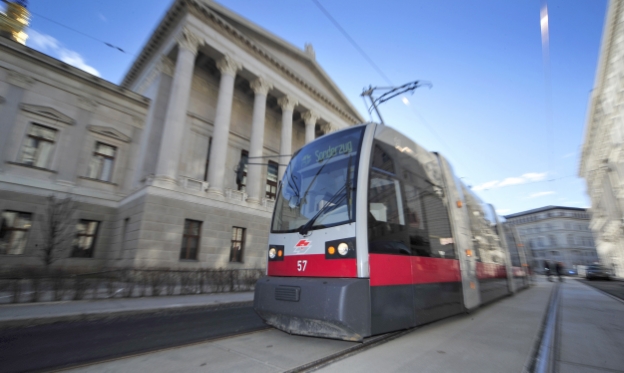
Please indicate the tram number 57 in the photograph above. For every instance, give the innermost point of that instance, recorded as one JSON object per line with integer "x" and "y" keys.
{"x": 301, "y": 265}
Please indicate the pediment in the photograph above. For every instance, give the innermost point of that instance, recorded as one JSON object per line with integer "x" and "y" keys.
{"x": 48, "y": 112}
{"x": 301, "y": 63}
{"x": 109, "y": 132}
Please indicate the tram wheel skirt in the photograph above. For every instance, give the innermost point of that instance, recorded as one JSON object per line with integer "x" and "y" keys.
{"x": 321, "y": 307}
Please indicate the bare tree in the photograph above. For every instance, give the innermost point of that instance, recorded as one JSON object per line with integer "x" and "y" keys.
{"x": 57, "y": 228}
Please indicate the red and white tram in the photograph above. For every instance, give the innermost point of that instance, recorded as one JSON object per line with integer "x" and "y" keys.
{"x": 371, "y": 233}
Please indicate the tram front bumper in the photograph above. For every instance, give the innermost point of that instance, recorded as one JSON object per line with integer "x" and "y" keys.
{"x": 335, "y": 308}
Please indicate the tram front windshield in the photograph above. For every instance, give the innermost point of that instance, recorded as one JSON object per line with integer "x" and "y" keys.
{"x": 318, "y": 187}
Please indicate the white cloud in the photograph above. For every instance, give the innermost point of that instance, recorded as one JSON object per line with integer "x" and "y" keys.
{"x": 541, "y": 194}
{"x": 569, "y": 155}
{"x": 525, "y": 178}
{"x": 512, "y": 181}
{"x": 502, "y": 211}
{"x": 46, "y": 43}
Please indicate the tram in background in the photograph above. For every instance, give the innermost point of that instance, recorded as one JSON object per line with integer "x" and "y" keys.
{"x": 371, "y": 233}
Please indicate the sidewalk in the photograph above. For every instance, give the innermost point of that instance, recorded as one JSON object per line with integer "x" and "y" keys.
{"x": 28, "y": 314}
{"x": 590, "y": 335}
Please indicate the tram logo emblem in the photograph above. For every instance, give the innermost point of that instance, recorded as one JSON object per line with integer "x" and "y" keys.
{"x": 302, "y": 246}
{"x": 306, "y": 159}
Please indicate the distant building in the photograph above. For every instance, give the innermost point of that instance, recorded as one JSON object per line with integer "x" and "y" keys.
{"x": 556, "y": 234}
{"x": 153, "y": 162}
{"x": 602, "y": 160}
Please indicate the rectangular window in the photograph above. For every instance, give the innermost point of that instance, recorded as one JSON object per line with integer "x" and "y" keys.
{"x": 207, "y": 160}
{"x": 101, "y": 166}
{"x": 271, "y": 183}
{"x": 14, "y": 232}
{"x": 84, "y": 243}
{"x": 190, "y": 239}
{"x": 238, "y": 244}
{"x": 38, "y": 146}
{"x": 241, "y": 174}
{"x": 552, "y": 240}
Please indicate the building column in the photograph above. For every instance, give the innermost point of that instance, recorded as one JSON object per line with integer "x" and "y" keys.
{"x": 151, "y": 136}
{"x": 288, "y": 105}
{"x": 327, "y": 128}
{"x": 309, "y": 118}
{"x": 220, "y": 135}
{"x": 254, "y": 172}
{"x": 175, "y": 119}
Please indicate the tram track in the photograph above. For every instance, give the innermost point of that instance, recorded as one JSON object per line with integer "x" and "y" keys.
{"x": 359, "y": 348}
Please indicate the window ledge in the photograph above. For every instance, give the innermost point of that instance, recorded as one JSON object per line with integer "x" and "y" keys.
{"x": 30, "y": 166}
{"x": 189, "y": 260}
{"x": 98, "y": 180}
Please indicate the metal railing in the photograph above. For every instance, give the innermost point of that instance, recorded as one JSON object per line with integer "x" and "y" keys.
{"x": 39, "y": 285}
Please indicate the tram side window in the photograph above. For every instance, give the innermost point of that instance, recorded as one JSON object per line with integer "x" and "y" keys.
{"x": 418, "y": 236}
{"x": 430, "y": 228}
{"x": 387, "y": 230}
{"x": 438, "y": 225}
{"x": 513, "y": 247}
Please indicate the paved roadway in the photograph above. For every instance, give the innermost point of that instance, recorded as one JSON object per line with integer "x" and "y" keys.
{"x": 66, "y": 344}
{"x": 615, "y": 288}
{"x": 496, "y": 338}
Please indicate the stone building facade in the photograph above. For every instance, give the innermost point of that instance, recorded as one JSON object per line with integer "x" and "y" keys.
{"x": 555, "y": 234}
{"x": 177, "y": 166}
{"x": 602, "y": 160}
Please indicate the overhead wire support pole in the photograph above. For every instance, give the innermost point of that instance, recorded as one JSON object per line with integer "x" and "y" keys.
{"x": 391, "y": 93}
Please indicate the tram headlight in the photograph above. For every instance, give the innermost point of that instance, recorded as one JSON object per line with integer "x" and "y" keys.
{"x": 340, "y": 249}
{"x": 276, "y": 253}
{"x": 343, "y": 248}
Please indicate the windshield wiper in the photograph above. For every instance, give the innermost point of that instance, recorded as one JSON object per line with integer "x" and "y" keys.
{"x": 333, "y": 203}
{"x": 312, "y": 182}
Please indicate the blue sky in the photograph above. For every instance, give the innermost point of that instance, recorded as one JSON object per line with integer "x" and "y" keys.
{"x": 511, "y": 125}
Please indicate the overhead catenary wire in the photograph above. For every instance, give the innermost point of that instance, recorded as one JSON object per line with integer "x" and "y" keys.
{"x": 110, "y": 45}
{"x": 352, "y": 41}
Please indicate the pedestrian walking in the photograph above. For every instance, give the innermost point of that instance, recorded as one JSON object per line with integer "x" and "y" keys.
{"x": 559, "y": 268}
{"x": 547, "y": 269}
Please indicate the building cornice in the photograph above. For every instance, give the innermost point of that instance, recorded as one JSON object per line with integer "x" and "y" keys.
{"x": 60, "y": 67}
{"x": 543, "y": 209}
